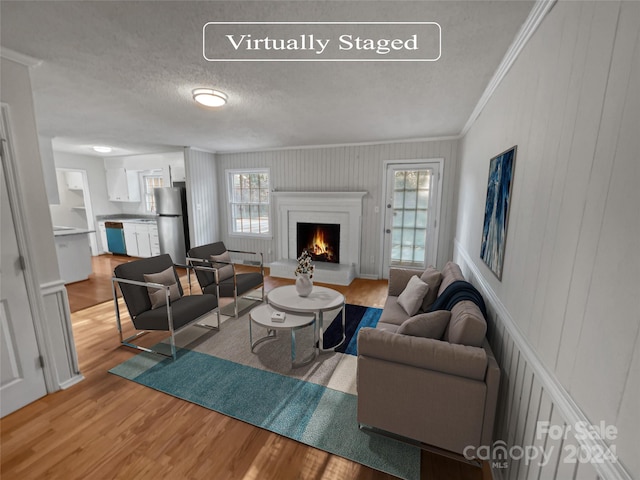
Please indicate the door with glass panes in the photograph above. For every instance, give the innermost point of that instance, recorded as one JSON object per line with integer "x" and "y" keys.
{"x": 411, "y": 215}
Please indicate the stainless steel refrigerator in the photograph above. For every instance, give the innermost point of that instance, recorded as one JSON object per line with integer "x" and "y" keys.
{"x": 173, "y": 227}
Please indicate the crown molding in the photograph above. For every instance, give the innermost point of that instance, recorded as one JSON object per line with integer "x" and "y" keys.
{"x": 340, "y": 145}
{"x": 20, "y": 58}
{"x": 537, "y": 14}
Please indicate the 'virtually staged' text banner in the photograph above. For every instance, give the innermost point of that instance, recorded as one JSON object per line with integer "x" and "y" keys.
{"x": 316, "y": 41}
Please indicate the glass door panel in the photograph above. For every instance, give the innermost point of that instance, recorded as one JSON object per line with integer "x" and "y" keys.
{"x": 410, "y": 216}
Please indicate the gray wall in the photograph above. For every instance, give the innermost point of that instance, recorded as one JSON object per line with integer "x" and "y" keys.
{"x": 348, "y": 168}
{"x": 16, "y": 92}
{"x": 50, "y": 308}
{"x": 202, "y": 196}
{"x": 565, "y": 315}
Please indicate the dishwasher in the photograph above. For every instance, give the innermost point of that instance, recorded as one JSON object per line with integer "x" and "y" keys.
{"x": 115, "y": 237}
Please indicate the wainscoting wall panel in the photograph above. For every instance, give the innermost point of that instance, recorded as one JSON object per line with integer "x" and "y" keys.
{"x": 202, "y": 194}
{"x": 345, "y": 168}
{"x": 64, "y": 361}
{"x": 530, "y": 398}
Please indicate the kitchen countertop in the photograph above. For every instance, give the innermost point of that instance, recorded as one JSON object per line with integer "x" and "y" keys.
{"x": 62, "y": 231}
{"x": 125, "y": 217}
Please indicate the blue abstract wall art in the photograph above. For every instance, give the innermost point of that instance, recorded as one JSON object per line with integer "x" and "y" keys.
{"x": 496, "y": 210}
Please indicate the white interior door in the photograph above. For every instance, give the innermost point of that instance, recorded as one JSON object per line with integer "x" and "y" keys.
{"x": 21, "y": 375}
{"x": 411, "y": 215}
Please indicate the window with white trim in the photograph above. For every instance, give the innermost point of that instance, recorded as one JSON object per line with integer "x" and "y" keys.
{"x": 250, "y": 201}
{"x": 150, "y": 183}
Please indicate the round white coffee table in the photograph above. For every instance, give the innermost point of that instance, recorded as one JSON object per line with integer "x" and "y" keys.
{"x": 292, "y": 322}
{"x": 319, "y": 301}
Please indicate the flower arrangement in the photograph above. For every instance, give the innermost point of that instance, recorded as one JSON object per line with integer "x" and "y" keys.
{"x": 304, "y": 264}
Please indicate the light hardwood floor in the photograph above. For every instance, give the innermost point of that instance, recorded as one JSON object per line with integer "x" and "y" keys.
{"x": 106, "y": 427}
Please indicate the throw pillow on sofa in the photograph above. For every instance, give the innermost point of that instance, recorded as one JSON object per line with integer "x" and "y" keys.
{"x": 427, "y": 325}
{"x": 412, "y": 296}
{"x": 433, "y": 278}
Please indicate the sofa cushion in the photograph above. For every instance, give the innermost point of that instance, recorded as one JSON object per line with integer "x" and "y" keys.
{"x": 428, "y": 325}
{"x": 450, "y": 273}
{"x": 443, "y": 357}
{"x": 387, "y": 327}
{"x": 411, "y": 297}
{"x": 393, "y": 313}
{"x": 433, "y": 278}
{"x": 467, "y": 325}
{"x": 398, "y": 279}
{"x": 157, "y": 295}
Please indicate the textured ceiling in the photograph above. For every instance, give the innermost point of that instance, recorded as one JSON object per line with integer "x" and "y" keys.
{"x": 121, "y": 74}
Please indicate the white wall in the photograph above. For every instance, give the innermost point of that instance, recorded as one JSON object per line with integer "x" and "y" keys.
{"x": 49, "y": 170}
{"x": 94, "y": 166}
{"x": 348, "y": 168}
{"x": 63, "y": 214}
{"x": 571, "y": 278}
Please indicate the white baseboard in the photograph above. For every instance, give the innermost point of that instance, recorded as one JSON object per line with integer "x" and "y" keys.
{"x": 71, "y": 382}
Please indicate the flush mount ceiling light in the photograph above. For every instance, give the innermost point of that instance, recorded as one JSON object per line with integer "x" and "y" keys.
{"x": 102, "y": 149}
{"x": 209, "y": 97}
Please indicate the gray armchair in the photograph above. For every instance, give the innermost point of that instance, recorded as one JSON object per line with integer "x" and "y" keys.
{"x": 217, "y": 275}
{"x": 155, "y": 300}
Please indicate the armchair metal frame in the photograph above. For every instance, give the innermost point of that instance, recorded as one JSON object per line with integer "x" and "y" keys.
{"x": 172, "y": 331}
{"x": 214, "y": 270}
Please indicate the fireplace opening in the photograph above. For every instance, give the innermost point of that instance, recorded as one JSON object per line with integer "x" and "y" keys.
{"x": 321, "y": 240}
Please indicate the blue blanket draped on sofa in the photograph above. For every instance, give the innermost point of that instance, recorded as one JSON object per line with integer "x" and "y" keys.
{"x": 457, "y": 292}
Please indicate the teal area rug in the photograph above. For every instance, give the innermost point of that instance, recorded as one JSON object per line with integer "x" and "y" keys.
{"x": 315, "y": 405}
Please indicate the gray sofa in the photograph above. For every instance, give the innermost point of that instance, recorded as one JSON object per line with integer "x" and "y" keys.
{"x": 441, "y": 392}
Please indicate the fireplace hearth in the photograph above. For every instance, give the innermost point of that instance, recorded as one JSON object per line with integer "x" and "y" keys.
{"x": 321, "y": 240}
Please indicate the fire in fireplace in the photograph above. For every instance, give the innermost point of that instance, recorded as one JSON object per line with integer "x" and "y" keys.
{"x": 321, "y": 240}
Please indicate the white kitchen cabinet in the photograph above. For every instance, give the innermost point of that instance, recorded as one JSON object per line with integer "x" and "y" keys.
{"x": 74, "y": 255}
{"x": 104, "y": 245}
{"x": 130, "y": 238}
{"x": 123, "y": 185}
{"x": 153, "y": 239}
{"x": 74, "y": 180}
{"x": 141, "y": 239}
{"x": 177, "y": 173}
{"x": 142, "y": 236}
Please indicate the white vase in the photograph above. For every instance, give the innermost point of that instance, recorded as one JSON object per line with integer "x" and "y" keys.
{"x": 304, "y": 285}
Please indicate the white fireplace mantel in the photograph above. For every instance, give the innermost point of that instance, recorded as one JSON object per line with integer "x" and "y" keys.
{"x": 343, "y": 208}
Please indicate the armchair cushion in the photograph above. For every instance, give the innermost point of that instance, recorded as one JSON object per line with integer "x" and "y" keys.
{"x": 137, "y": 297}
{"x": 244, "y": 283}
{"x": 157, "y": 296}
{"x": 225, "y": 269}
{"x": 183, "y": 311}
{"x": 411, "y": 297}
{"x": 427, "y": 325}
{"x": 206, "y": 278}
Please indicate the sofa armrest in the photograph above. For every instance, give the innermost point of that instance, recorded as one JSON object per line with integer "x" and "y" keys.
{"x": 398, "y": 279}
{"x": 427, "y": 353}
